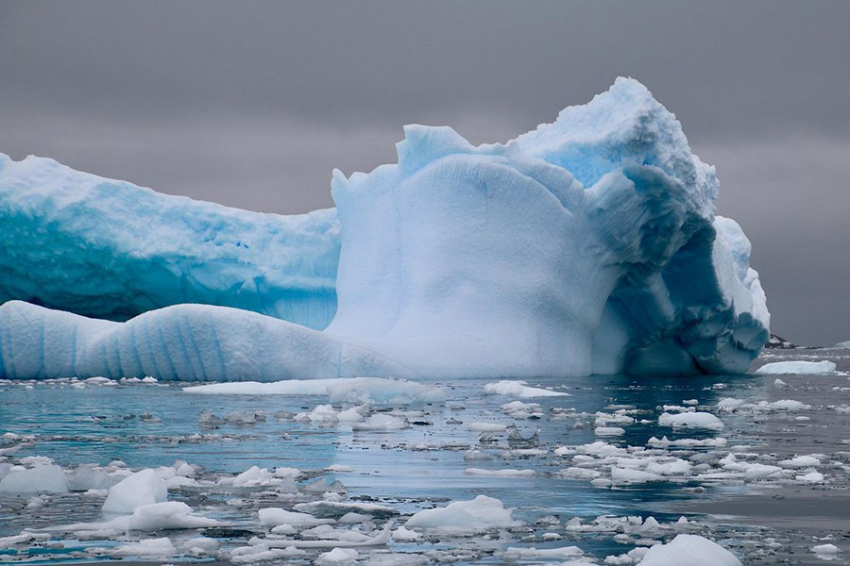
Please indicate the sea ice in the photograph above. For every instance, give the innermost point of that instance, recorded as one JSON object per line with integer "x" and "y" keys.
{"x": 147, "y": 548}
{"x": 826, "y": 549}
{"x": 142, "y": 488}
{"x": 824, "y": 367}
{"x": 41, "y": 478}
{"x": 478, "y": 514}
{"x": 692, "y": 550}
{"x": 338, "y": 556}
{"x": 691, "y": 420}
{"x": 588, "y": 245}
{"x": 519, "y": 389}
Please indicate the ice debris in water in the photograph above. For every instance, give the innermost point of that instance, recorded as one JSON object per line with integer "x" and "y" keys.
{"x": 824, "y": 367}
{"x": 692, "y": 550}
{"x": 41, "y": 478}
{"x": 480, "y": 513}
{"x": 142, "y": 488}
{"x": 691, "y": 420}
{"x": 519, "y": 389}
{"x": 588, "y": 245}
{"x": 353, "y": 390}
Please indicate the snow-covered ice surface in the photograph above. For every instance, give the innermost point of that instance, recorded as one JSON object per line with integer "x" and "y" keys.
{"x": 295, "y": 478}
{"x": 588, "y": 245}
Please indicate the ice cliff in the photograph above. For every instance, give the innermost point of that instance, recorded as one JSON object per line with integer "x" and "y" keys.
{"x": 589, "y": 245}
{"x": 109, "y": 249}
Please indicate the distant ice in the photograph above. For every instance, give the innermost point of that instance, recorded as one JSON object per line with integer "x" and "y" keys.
{"x": 519, "y": 389}
{"x": 352, "y": 390}
{"x": 824, "y": 367}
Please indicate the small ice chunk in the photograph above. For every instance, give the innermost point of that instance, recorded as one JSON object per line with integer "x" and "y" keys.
{"x": 629, "y": 475}
{"x": 274, "y": 516}
{"x": 729, "y": 405}
{"x": 42, "y": 478}
{"x": 385, "y": 392}
{"x": 480, "y": 513}
{"x": 163, "y": 516}
{"x": 692, "y": 550}
{"x": 402, "y": 534}
{"x": 254, "y": 476}
{"x": 519, "y": 389}
{"x": 147, "y": 548}
{"x": 322, "y": 415}
{"x": 788, "y": 405}
{"x": 338, "y": 556}
{"x": 381, "y": 422}
{"x": 609, "y": 431}
{"x": 826, "y": 549}
{"x": 262, "y": 553}
{"x": 802, "y": 461}
{"x": 691, "y": 420}
{"x": 812, "y": 476}
{"x": 142, "y": 488}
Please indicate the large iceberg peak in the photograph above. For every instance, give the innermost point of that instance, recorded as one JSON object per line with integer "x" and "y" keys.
{"x": 459, "y": 261}
{"x": 622, "y": 126}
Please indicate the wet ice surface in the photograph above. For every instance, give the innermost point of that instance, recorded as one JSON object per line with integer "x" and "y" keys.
{"x": 302, "y": 479}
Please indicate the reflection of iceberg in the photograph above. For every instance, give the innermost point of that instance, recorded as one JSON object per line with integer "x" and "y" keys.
{"x": 587, "y": 245}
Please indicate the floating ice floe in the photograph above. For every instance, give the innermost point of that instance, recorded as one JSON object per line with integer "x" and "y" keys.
{"x": 826, "y": 549}
{"x": 41, "y": 478}
{"x": 824, "y": 367}
{"x": 141, "y": 488}
{"x": 478, "y": 514}
{"x": 514, "y": 553}
{"x": 519, "y": 389}
{"x": 692, "y": 550}
{"x": 503, "y": 473}
{"x": 373, "y": 390}
{"x": 695, "y": 420}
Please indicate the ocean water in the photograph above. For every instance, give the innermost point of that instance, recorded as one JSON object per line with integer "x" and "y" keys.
{"x": 429, "y": 465}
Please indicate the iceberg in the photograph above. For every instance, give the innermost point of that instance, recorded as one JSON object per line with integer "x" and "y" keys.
{"x": 112, "y": 250}
{"x": 588, "y": 245}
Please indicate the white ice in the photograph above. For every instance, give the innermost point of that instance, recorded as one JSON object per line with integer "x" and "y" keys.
{"x": 824, "y": 367}
{"x": 480, "y": 513}
{"x": 588, "y": 245}
{"x": 692, "y": 550}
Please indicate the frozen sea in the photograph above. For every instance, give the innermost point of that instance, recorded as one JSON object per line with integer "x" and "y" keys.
{"x": 585, "y": 469}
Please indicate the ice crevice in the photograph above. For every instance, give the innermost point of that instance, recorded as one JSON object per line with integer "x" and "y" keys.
{"x": 588, "y": 245}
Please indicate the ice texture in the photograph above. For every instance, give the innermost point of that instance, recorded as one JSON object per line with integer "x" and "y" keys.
{"x": 693, "y": 550}
{"x": 823, "y": 367}
{"x": 110, "y": 249}
{"x": 589, "y": 245}
{"x": 595, "y": 236}
{"x": 480, "y": 513}
{"x": 137, "y": 490}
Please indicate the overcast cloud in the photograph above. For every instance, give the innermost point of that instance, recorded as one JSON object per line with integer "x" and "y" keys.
{"x": 252, "y": 104}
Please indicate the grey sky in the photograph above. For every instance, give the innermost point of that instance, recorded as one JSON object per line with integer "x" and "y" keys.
{"x": 252, "y": 104}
